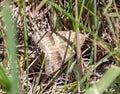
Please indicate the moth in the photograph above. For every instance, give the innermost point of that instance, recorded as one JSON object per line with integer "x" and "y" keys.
{"x": 57, "y": 47}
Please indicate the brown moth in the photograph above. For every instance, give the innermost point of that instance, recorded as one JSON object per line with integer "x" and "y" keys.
{"x": 56, "y": 46}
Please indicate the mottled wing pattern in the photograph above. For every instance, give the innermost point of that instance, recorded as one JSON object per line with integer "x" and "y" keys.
{"x": 56, "y": 46}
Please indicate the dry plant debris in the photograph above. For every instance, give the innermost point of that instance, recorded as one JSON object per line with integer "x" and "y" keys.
{"x": 56, "y": 47}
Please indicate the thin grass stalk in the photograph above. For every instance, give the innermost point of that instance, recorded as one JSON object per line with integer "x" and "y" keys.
{"x": 72, "y": 85}
{"x": 39, "y": 76}
{"x": 82, "y": 26}
{"x": 94, "y": 11}
{"x": 95, "y": 43}
{"x": 41, "y": 4}
{"x": 69, "y": 63}
{"x": 49, "y": 82}
{"x": 4, "y": 44}
{"x": 61, "y": 9}
{"x": 117, "y": 10}
{"x": 19, "y": 65}
{"x": 11, "y": 48}
{"x": 93, "y": 49}
{"x": 107, "y": 6}
{"x": 91, "y": 12}
{"x": 81, "y": 10}
{"x": 100, "y": 62}
{"x": 109, "y": 47}
{"x": 94, "y": 26}
{"x": 111, "y": 27}
{"x": 70, "y": 8}
{"x": 90, "y": 63}
{"x": 25, "y": 43}
{"x": 66, "y": 76}
{"x": 91, "y": 68}
{"x": 78, "y": 47}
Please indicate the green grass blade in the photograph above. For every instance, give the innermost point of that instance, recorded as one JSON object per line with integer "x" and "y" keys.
{"x": 107, "y": 6}
{"x": 93, "y": 68}
{"x": 40, "y": 73}
{"x": 94, "y": 10}
{"x": 60, "y": 9}
{"x": 4, "y": 81}
{"x": 91, "y": 12}
{"x": 105, "y": 82}
{"x": 11, "y": 47}
{"x": 25, "y": 43}
{"x": 93, "y": 51}
{"x": 25, "y": 36}
{"x": 49, "y": 82}
{"x": 114, "y": 14}
{"x": 81, "y": 10}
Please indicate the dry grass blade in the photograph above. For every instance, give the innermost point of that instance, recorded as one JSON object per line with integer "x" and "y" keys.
{"x": 78, "y": 45}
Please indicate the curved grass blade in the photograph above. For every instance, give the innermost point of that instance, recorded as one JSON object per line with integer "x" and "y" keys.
{"x": 11, "y": 47}
{"x": 4, "y": 81}
{"x": 105, "y": 82}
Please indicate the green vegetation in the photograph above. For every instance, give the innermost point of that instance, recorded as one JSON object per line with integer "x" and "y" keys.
{"x": 99, "y": 20}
